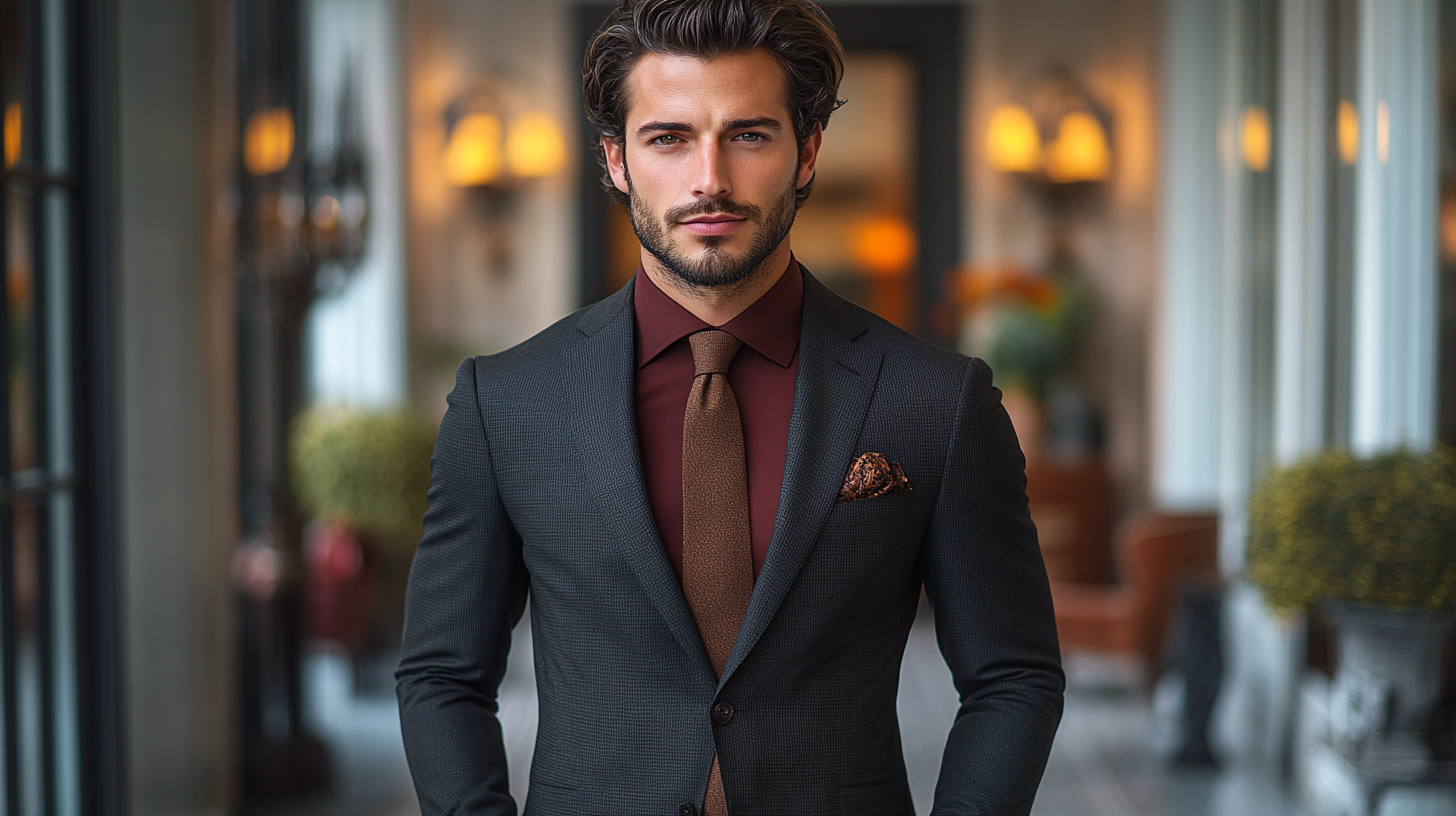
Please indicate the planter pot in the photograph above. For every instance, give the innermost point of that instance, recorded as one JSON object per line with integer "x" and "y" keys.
{"x": 1387, "y": 680}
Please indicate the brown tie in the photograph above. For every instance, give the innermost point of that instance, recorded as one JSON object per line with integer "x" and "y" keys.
{"x": 717, "y": 551}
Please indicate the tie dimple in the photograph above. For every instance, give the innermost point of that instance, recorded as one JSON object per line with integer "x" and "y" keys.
{"x": 713, "y": 350}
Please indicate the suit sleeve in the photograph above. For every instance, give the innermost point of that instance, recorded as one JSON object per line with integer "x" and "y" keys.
{"x": 984, "y": 577}
{"x": 467, "y": 590}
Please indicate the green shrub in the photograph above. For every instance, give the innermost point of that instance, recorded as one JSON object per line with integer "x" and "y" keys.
{"x": 1379, "y": 531}
{"x": 366, "y": 470}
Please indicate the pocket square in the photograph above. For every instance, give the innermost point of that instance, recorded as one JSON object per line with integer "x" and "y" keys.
{"x": 872, "y": 476}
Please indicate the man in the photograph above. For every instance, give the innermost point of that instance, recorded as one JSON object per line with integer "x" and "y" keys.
{"x": 722, "y": 489}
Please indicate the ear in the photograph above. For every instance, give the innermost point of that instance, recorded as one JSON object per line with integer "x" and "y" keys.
{"x": 616, "y": 163}
{"x": 809, "y": 156}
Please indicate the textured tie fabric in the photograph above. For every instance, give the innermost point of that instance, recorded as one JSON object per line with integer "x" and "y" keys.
{"x": 717, "y": 551}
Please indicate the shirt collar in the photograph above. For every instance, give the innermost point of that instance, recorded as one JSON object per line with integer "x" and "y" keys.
{"x": 770, "y": 325}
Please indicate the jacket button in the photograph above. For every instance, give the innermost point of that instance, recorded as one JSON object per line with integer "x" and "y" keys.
{"x": 723, "y": 712}
{"x": 687, "y": 809}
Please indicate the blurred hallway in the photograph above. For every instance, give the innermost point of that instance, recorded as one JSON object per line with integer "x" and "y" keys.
{"x": 1199, "y": 242}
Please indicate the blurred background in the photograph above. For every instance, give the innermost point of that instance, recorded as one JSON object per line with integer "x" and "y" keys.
{"x": 247, "y": 242}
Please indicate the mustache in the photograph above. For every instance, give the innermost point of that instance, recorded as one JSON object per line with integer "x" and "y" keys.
{"x": 712, "y": 206}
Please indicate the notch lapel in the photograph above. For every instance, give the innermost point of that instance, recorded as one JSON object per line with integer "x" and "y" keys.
{"x": 599, "y": 370}
{"x": 836, "y": 380}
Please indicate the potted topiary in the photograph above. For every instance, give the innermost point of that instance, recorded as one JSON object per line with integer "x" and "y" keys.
{"x": 363, "y": 476}
{"x": 1372, "y": 542}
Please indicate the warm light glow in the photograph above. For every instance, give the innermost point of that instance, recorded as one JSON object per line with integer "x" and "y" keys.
{"x": 12, "y": 134}
{"x": 268, "y": 141}
{"x": 1382, "y": 131}
{"x": 1012, "y": 142}
{"x": 535, "y": 147}
{"x": 884, "y": 247}
{"x": 1080, "y": 151}
{"x": 1347, "y": 131}
{"x": 1255, "y": 138}
{"x": 1448, "y": 229}
{"x": 473, "y": 155}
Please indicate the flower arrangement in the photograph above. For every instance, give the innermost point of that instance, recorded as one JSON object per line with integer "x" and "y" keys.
{"x": 1377, "y": 531}
{"x": 1026, "y": 325}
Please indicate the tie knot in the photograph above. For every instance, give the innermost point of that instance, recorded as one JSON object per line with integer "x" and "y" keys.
{"x": 713, "y": 350}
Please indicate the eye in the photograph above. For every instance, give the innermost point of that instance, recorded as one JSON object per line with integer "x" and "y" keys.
{"x": 751, "y": 138}
{"x": 665, "y": 139}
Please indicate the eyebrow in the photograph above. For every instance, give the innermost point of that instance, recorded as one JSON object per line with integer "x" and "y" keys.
{"x": 760, "y": 122}
{"x": 655, "y": 126}
{"x": 736, "y": 124}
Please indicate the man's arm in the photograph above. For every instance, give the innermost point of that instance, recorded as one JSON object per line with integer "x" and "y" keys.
{"x": 984, "y": 577}
{"x": 466, "y": 592}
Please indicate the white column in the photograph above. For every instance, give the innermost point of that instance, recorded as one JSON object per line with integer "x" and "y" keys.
{"x": 1188, "y": 327}
{"x": 1235, "y": 372}
{"x": 356, "y": 339}
{"x": 1393, "y": 382}
{"x": 1302, "y": 133}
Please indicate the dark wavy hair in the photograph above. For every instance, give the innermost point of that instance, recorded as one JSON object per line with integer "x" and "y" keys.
{"x": 796, "y": 32}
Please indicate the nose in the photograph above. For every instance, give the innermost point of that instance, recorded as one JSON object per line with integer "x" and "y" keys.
{"x": 710, "y": 175}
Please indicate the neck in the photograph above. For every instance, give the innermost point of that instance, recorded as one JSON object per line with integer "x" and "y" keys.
{"x": 716, "y": 305}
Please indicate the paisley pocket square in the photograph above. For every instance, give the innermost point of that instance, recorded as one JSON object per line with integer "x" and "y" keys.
{"x": 872, "y": 476}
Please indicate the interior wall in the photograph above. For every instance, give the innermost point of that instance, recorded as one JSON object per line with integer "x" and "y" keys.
{"x": 462, "y": 302}
{"x": 177, "y": 433}
{"x": 1113, "y": 48}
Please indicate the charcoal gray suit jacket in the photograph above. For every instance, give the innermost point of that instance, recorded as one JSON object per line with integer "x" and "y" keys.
{"x": 537, "y": 491}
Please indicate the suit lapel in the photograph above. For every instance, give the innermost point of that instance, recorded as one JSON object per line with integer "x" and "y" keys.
{"x": 599, "y": 371}
{"x": 836, "y": 379}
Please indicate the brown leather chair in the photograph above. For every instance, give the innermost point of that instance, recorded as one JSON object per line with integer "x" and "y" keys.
{"x": 1156, "y": 552}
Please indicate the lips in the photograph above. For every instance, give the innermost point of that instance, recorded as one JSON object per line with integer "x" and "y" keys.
{"x": 716, "y": 224}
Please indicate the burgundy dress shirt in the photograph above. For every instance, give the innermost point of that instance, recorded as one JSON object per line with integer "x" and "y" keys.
{"x": 762, "y": 376}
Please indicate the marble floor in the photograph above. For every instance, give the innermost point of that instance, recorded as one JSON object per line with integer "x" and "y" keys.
{"x": 1103, "y": 762}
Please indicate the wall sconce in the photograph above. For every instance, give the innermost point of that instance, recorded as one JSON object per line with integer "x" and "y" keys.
{"x": 481, "y": 152}
{"x": 310, "y": 214}
{"x": 268, "y": 141}
{"x": 1256, "y": 138}
{"x": 495, "y": 155}
{"x": 1347, "y": 131}
{"x": 1061, "y": 138}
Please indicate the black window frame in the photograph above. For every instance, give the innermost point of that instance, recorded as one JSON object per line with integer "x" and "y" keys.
{"x": 88, "y": 97}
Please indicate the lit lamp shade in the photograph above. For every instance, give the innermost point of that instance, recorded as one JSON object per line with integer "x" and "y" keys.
{"x": 1347, "y": 131}
{"x": 1080, "y": 151}
{"x": 473, "y": 154}
{"x": 12, "y": 134}
{"x": 535, "y": 147}
{"x": 884, "y": 247}
{"x": 268, "y": 141}
{"x": 1012, "y": 142}
{"x": 1256, "y": 138}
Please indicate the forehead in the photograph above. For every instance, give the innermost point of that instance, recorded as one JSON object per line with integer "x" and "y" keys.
{"x": 668, "y": 87}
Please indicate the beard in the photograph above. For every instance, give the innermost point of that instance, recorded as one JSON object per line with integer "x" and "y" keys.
{"x": 714, "y": 267}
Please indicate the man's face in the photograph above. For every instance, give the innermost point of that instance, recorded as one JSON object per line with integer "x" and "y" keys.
{"x": 710, "y": 163}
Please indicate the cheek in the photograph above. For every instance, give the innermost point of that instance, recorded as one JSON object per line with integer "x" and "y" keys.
{"x": 768, "y": 176}
{"x": 650, "y": 175}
